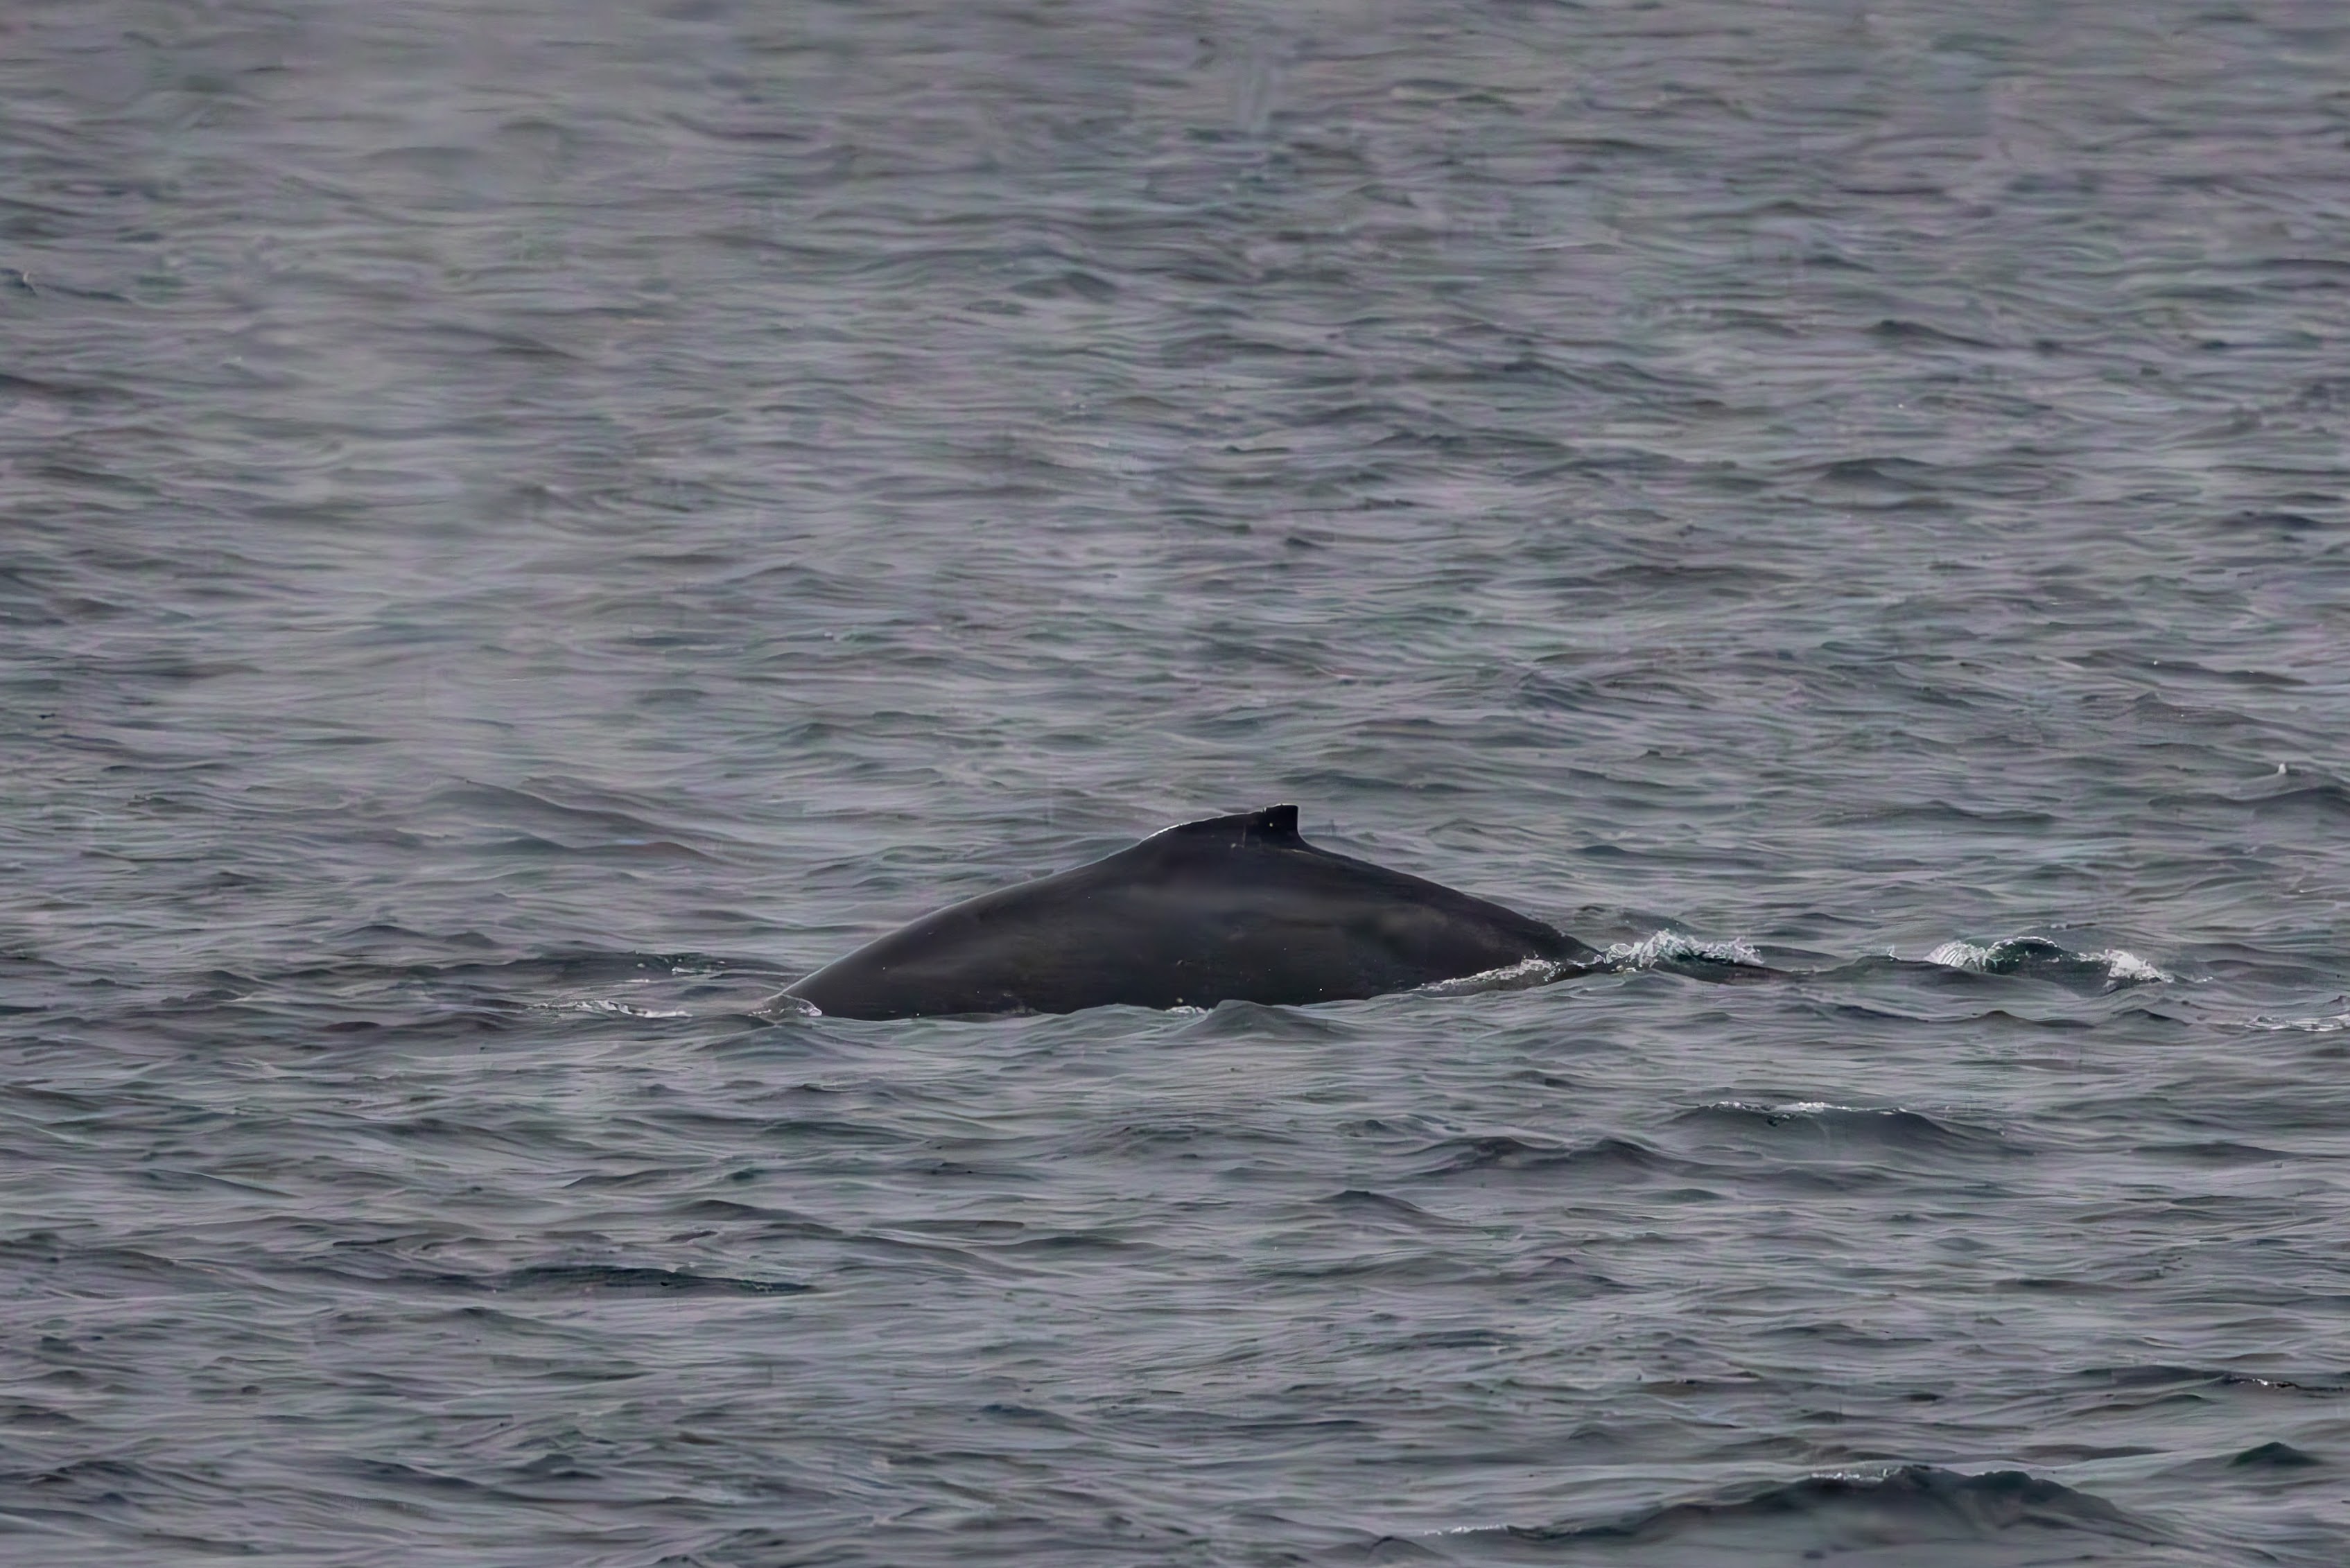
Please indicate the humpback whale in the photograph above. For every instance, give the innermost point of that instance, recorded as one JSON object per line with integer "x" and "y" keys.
{"x": 1230, "y": 908}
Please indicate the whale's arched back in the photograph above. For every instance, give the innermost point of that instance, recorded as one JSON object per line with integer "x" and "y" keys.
{"x": 1228, "y": 908}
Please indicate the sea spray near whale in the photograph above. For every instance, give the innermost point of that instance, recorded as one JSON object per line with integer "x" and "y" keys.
{"x": 1235, "y": 908}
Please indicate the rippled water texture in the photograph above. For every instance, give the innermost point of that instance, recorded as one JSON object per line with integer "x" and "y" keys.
{"x": 526, "y": 526}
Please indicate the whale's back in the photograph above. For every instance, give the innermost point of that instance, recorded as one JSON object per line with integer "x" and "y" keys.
{"x": 1232, "y": 908}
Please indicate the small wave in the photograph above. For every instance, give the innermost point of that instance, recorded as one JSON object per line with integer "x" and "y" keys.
{"x": 1521, "y": 976}
{"x": 618, "y": 1277}
{"x": 2276, "y": 1456}
{"x": 1913, "y": 1505}
{"x": 1502, "y": 1152}
{"x": 1361, "y": 1203}
{"x": 1774, "y": 1114}
{"x": 2323, "y": 1023}
{"x": 2039, "y": 956}
{"x": 2164, "y": 1375}
{"x": 620, "y": 1009}
{"x": 1888, "y": 1127}
{"x": 2129, "y": 969}
{"x": 1263, "y": 1020}
{"x": 1671, "y": 947}
{"x": 1977, "y": 956}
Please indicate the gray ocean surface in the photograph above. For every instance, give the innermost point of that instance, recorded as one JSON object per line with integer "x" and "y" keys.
{"x": 526, "y": 526}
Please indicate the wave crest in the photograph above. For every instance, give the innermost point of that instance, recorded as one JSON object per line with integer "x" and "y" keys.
{"x": 1883, "y": 1518}
{"x": 1672, "y": 947}
{"x": 2039, "y": 956}
{"x": 1521, "y": 976}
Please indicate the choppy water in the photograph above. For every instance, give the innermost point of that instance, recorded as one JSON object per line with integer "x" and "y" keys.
{"x": 528, "y": 525}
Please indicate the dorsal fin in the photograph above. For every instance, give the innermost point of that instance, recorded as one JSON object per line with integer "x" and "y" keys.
{"x": 1273, "y": 824}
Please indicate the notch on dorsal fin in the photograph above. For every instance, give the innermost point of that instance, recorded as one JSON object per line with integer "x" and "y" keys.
{"x": 1278, "y": 820}
{"x": 1275, "y": 823}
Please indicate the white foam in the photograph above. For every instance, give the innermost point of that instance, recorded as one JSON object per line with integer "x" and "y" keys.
{"x": 626, "y": 1010}
{"x": 2328, "y": 1024}
{"x": 2121, "y": 965}
{"x": 2124, "y": 965}
{"x": 1517, "y": 976}
{"x": 1800, "y": 1108}
{"x": 1674, "y": 947}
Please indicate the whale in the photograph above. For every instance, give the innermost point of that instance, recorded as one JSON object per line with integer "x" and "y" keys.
{"x": 1229, "y": 908}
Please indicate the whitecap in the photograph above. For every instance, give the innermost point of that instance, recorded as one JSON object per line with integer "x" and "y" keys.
{"x": 1674, "y": 946}
{"x": 1802, "y": 1108}
{"x": 2325, "y": 1023}
{"x": 2123, "y": 965}
{"x": 2015, "y": 953}
{"x": 1517, "y": 976}
{"x": 625, "y": 1009}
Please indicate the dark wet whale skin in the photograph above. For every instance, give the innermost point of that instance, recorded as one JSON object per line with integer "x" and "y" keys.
{"x": 1230, "y": 908}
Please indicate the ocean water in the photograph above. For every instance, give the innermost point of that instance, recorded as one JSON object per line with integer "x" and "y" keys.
{"x": 525, "y": 525}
